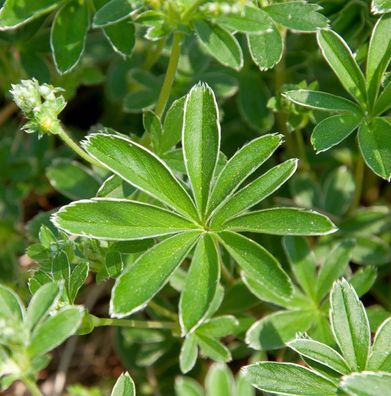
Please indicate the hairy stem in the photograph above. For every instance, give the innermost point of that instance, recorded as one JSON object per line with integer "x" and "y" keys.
{"x": 76, "y": 148}
{"x": 140, "y": 324}
{"x": 32, "y": 387}
{"x": 170, "y": 74}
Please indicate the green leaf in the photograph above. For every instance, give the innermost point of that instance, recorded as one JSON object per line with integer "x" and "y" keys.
{"x": 250, "y": 20}
{"x": 240, "y": 166}
{"x": 189, "y": 354}
{"x": 55, "y": 330}
{"x": 383, "y": 102}
{"x": 115, "y": 187}
{"x": 76, "y": 280}
{"x": 254, "y": 192}
{"x": 124, "y": 386}
{"x": 334, "y": 267}
{"x": 321, "y": 353}
{"x": 273, "y": 331}
{"x": 282, "y": 221}
{"x": 266, "y": 48}
{"x": 112, "y": 12}
{"x": 302, "y": 261}
{"x": 17, "y": 12}
{"x": 379, "y": 55}
{"x": 322, "y": 101}
{"x": 143, "y": 279}
{"x": 381, "y": 6}
{"x": 220, "y": 326}
{"x": 11, "y": 307}
{"x": 380, "y": 357}
{"x": 363, "y": 279}
{"x": 340, "y": 58}
{"x": 298, "y": 16}
{"x": 172, "y": 125}
{"x": 288, "y": 379}
{"x": 219, "y": 381}
{"x": 122, "y": 37}
{"x": 333, "y": 130}
{"x": 220, "y": 43}
{"x": 116, "y": 219}
{"x": 72, "y": 179}
{"x": 201, "y": 141}
{"x": 201, "y": 284}
{"x": 213, "y": 349}
{"x": 42, "y": 302}
{"x": 366, "y": 384}
{"x": 349, "y": 324}
{"x": 187, "y": 387}
{"x": 68, "y": 35}
{"x": 257, "y": 263}
{"x": 141, "y": 168}
{"x": 375, "y": 146}
{"x": 153, "y": 126}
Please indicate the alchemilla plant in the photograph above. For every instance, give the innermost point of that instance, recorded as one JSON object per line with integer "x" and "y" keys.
{"x": 194, "y": 219}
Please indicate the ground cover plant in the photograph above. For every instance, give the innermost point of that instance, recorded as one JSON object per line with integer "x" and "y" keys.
{"x": 195, "y": 197}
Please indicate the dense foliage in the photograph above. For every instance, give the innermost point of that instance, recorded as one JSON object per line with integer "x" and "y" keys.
{"x": 200, "y": 199}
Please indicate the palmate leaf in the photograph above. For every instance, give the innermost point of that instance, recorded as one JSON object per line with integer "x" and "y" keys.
{"x": 201, "y": 141}
{"x": 201, "y": 284}
{"x": 142, "y": 280}
{"x": 288, "y": 379}
{"x": 349, "y": 324}
{"x": 118, "y": 219}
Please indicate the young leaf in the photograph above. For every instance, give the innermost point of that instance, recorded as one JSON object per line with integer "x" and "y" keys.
{"x": 68, "y": 35}
{"x": 53, "y": 331}
{"x": 298, "y": 16}
{"x": 242, "y": 165}
{"x": 379, "y": 55}
{"x": 201, "y": 283}
{"x": 221, "y": 44}
{"x": 266, "y": 48}
{"x": 219, "y": 381}
{"x": 282, "y": 221}
{"x": 213, "y": 349}
{"x": 383, "y": 102}
{"x": 153, "y": 126}
{"x": 334, "y": 267}
{"x": 273, "y": 331}
{"x": 380, "y": 357}
{"x": 288, "y": 379}
{"x": 142, "y": 280}
{"x": 44, "y": 299}
{"x": 349, "y": 324}
{"x": 116, "y": 219}
{"x": 322, "y": 101}
{"x": 141, "y": 168}
{"x": 321, "y": 353}
{"x": 72, "y": 179}
{"x": 189, "y": 353}
{"x": 250, "y": 20}
{"x": 340, "y": 58}
{"x": 333, "y": 130}
{"x": 185, "y": 386}
{"x": 172, "y": 125}
{"x": 17, "y": 12}
{"x": 220, "y": 326}
{"x": 11, "y": 307}
{"x": 201, "y": 141}
{"x": 375, "y": 146}
{"x": 255, "y": 192}
{"x": 302, "y": 261}
{"x": 124, "y": 386}
{"x": 112, "y": 12}
{"x": 366, "y": 384}
{"x": 257, "y": 263}
{"x": 76, "y": 280}
{"x": 121, "y": 36}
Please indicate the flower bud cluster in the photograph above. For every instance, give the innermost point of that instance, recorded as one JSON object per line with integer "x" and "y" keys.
{"x": 224, "y": 8}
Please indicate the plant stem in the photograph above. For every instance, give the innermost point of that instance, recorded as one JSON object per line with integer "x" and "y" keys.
{"x": 170, "y": 74}
{"x": 140, "y": 324}
{"x": 358, "y": 179}
{"x": 32, "y": 387}
{"x": 76, "y": 148}
{"x": 163, "y": 311}
{"x": 7, "y": 111}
